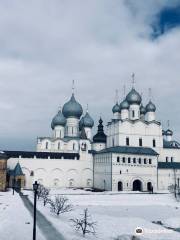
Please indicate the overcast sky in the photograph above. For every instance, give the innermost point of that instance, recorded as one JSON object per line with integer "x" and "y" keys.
{"x": 46, "y": 44}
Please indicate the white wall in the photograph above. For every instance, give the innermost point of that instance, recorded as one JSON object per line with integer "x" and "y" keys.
{"x": 59, "y": 171}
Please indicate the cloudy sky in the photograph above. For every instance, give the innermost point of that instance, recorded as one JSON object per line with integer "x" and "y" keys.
{"x": 46, "y": 44}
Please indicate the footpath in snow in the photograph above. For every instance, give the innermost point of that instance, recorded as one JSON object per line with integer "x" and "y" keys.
{"x": 16, "y": 222}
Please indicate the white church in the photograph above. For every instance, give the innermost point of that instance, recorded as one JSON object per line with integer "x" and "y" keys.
{"x": 133, "y": 153}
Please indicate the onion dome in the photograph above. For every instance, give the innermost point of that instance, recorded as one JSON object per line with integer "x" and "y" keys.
{"x": 58, "y": 120}
{"x": 142, "y": 110}
{"x": 72, "y": 108}
{"x": 116, "y": 108}
{"x": 169, "y": 132}
{"x": 133, "y": 97}
{"x": 100, "y": 137}
{"x": 124, "y": 104}
{"x": 150, "y": 107}
{"x": 88, "y": 121}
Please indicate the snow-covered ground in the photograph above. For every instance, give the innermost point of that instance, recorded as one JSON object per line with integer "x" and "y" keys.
{"x": 15, "y": 220}
{"x": 118, "y": 214}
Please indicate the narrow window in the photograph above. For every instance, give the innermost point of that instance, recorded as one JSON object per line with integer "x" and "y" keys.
{"x": 117, "y": 159}
{"x": 46, "y": 145}
{"x": 129, "y": 160}
{"x": 139, "y": 160}
{"x": 58, "y": 145}
{"x": 150, "y": 161}
{"x": 134, "y": 160}
{"x": 167, "y": 159}
{"x": 126, "y": 170}
{"x": 72, "y": 130}
{"x": 145, "y": 161}
{"x": 113, "y": 142}
{"x": 120, "y": 172}
{"x": 171, "y": 159}
{"x": 60, "y": 134}
{"x": 133, "y": 113}
{"x": 154, "y": 143}
{"x": 73, "y": 146}
{"x": 127, "y": 141}
{"x": 124, "y": 159}
{"x": 140, "y": 142}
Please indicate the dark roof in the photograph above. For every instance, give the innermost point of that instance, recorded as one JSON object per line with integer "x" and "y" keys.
{"x": 100, "y": 136}
{"x": 169, "y": 165}
{"x": 3, "y": 155}
{"x": 170, "y": 144}
{"x": 52, "y": 155}
{"x": 130, "y": 150}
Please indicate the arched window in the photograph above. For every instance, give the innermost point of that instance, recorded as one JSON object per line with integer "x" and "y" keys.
{"x": 120, "y": 172}
{"x": 124, "y": 159}
{"x": 118, "y": 159}
{"x": 150, "y": 161}
{"x": 134, "y": 160}
{"x": 47, "y": 145}
{"x": 154, "y": 143}
{"x": 139, "y": 160}
{"x": 129, "y": 160}
{"x": 59, "y": 146}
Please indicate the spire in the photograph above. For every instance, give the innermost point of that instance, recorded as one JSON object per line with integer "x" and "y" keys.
{"x": 124, "y": 90}
{"x": 87, "y": 108}
{"x": 116, "y": 96}
{"x": 73, "y": 86}
{"x": 168, "y": 123}
{"x": 150, "y": 93}
{"x": 133, "y": 79}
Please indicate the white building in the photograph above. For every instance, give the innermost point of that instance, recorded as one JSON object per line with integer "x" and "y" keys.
{"x": 134, "y": 154}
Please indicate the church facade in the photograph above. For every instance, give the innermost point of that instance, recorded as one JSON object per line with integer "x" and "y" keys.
{"x": 133, "y": 153}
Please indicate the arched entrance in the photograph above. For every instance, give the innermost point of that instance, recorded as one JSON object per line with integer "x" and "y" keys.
{"x": 149, "y": 186}
{"x": 137, "y": 185}
{"x": 120, "y": 186}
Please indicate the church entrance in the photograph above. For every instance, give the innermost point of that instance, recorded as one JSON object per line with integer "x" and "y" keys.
{"x": 137, "y": 185}
{"x": 120, "y": 186}
{"x": 149, "y": 186}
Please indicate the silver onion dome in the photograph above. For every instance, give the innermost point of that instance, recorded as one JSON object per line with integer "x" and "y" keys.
{"x": 116, "y": 108}
{"x": 88, "y": 121}
{"x": 58, "y": 120}
{"x": 142, "y": 110}
{"x": 134, "y": 97}
{"x": 72, "y": 108}
{"x": 124, "y": 104}
{"x": 150, "y": 107}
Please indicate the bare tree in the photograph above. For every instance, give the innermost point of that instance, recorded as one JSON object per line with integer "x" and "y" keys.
{"x": 45, "y": 196}
{"x": 60, "y": 205}
{"x": 84, "y": 224}
{"x": 40, "y": 190}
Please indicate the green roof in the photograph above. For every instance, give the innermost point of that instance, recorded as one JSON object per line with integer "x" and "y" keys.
{"x": 18, "y": 170}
